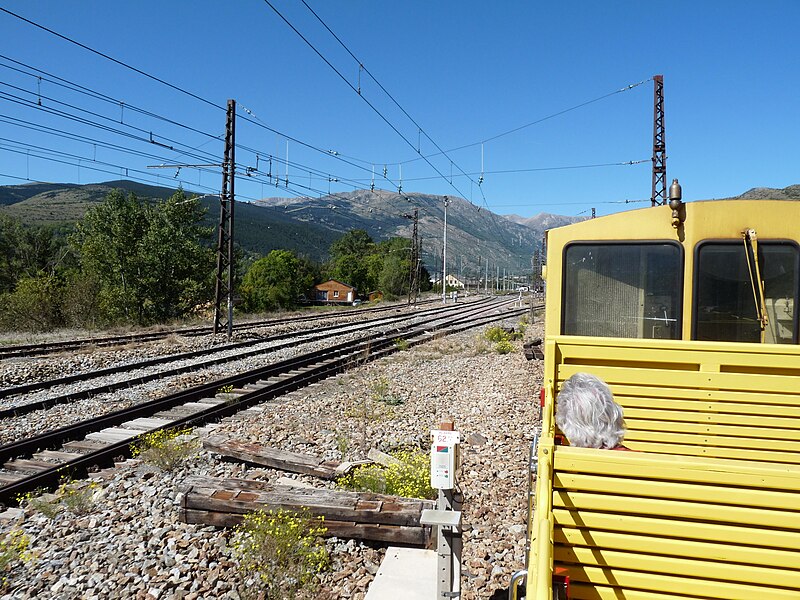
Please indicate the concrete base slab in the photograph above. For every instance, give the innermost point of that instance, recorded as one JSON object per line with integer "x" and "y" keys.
{"x": 405, "y": 574}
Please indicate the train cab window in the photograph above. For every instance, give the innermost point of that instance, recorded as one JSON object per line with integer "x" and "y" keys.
{"x": 727, "y": 302}
{"x": 629, "y": 290}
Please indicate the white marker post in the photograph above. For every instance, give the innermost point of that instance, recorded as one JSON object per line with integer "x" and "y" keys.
{"x": 447, "y": 516}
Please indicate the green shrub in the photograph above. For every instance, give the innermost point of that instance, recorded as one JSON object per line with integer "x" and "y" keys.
{"x": 380, "y": 392}
{"x": 36, "y": 501}
{"x": 77, "y": 497}
{"x": 480, "y": 346}
{"x": 401, "y": 344}
{"x": 13, "y": 553}
{"x": 281, "y": 551}
{"x": 34, "y": 305}
{"x": 165, "y": 448}
{"x": 495, "y": 334}
{"x": 498, "y": 334}
{"x": 342, "y": 443}
{"x": 504, "y": 347}
{"x": 410, "y": 478}
{"x": 74, "y": 496}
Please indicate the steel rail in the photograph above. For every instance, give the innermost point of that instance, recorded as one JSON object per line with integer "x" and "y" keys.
{"x": 48, "y": 438}
{"x": 40, "y": 385}
{"x": 330, "y": 361}
{"x": 28, "y": 350}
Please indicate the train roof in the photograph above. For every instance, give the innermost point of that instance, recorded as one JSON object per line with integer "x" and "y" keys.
{"x": 703, "y": 219}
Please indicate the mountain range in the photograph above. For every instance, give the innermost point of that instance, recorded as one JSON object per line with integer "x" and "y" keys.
{"x": 308, "y": 226}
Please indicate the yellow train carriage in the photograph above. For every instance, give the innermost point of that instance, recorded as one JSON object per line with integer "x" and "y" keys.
{"x": 691, "y": 316}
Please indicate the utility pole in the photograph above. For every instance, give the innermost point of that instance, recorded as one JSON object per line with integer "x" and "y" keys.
{"x": 419, "y": 269}
{"x": 413, "y": 276}
{"x": 486, "y": 277}
{"x": 224, "y": 283}
{"x": 444, "y": 254}
{"x": 659, "y": 194}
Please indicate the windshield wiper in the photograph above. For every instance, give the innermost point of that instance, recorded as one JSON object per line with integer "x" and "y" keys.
{"x": 750, "y": 239}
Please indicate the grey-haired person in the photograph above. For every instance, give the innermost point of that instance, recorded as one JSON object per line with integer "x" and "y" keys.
{"x": 587, "y": 414}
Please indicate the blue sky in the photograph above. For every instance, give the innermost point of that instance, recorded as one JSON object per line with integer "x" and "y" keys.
{"x": 465, "y": 71}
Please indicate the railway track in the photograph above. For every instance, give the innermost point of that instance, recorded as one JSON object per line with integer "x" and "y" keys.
{"x": 292, "y": 337}
{"x": 40, "y": 461}
{"x": 30, "y": 350}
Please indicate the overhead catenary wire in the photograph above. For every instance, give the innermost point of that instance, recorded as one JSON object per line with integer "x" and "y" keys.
{"x": 535, "y": 122}
{"x": 85, "y": 163}
{"x": 54, "y": 111}
{"x": 187, "y": 92}
{"x": 96, "y": 143}
{"x": 114, "y": 60}
{"x": 152, "y": 77}
{"x": 76, "y": 87}
{"x": 350, "y": 85}
{"x": 188, "y": 151}
{"x": 540, "y": 169}
{"x": 420, "y": 130}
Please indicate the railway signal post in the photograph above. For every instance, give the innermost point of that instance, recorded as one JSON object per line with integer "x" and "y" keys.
{"x": 446, "y": 518}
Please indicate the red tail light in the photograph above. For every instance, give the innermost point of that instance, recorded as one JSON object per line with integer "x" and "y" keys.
{"x": 541, "y": 397}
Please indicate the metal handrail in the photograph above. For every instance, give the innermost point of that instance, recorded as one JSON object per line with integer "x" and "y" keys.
{"x": 541, "y": 556}
{"x": 516, "y": 579}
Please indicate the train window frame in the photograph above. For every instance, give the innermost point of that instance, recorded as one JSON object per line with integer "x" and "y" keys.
{"x": 731, "y": 242}
{"x": 643, "y": 242}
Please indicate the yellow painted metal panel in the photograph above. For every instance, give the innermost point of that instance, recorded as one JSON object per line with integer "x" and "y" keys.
{"x": 679, "y": 490}
{"x": 784, "y": 520}
{"x": 693, "y": 450}
{"x": 583, "y": 591}
{"x": 672, "y": 565}
{"x": 694, "y": 380}
{"x": 750, "y": 428}
{"x": 704, "y": 588}
{"x": 780, "y": 352}
{"x": 633, "y": 393}
{"x": 654, "y": 466}
{"x": 539, "y": 578}
{"x": 669, "y": 355}
{"x": 722, "y": 413}
{"x": 667, "y": 527}
{"x": 683, "y": 549}
{"x": 712, "y": 439}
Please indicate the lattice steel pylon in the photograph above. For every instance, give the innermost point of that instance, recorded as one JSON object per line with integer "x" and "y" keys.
{"x": 659, "y": 193}
{"x": 223, "y": 307}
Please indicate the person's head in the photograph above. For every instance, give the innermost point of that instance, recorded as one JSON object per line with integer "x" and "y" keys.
{"x": 587, "y": 414}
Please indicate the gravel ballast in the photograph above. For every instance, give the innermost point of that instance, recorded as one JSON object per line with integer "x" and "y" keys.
{"x": 131, "y": 543}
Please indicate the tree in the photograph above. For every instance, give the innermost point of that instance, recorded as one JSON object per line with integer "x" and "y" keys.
{"x": 176, "y": 264}
{"x": 27, "y": 251}
{"x": 350, "y": 261}
{"x": 276, "y": 281}
{"x": 355, "y": 242}
{"x": 396, "y": 271}
{"x": 10, "y": 260}
{"x": 147, "y": 258}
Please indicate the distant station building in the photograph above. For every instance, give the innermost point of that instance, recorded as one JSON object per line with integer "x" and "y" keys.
{"x": 334, "y": 291}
